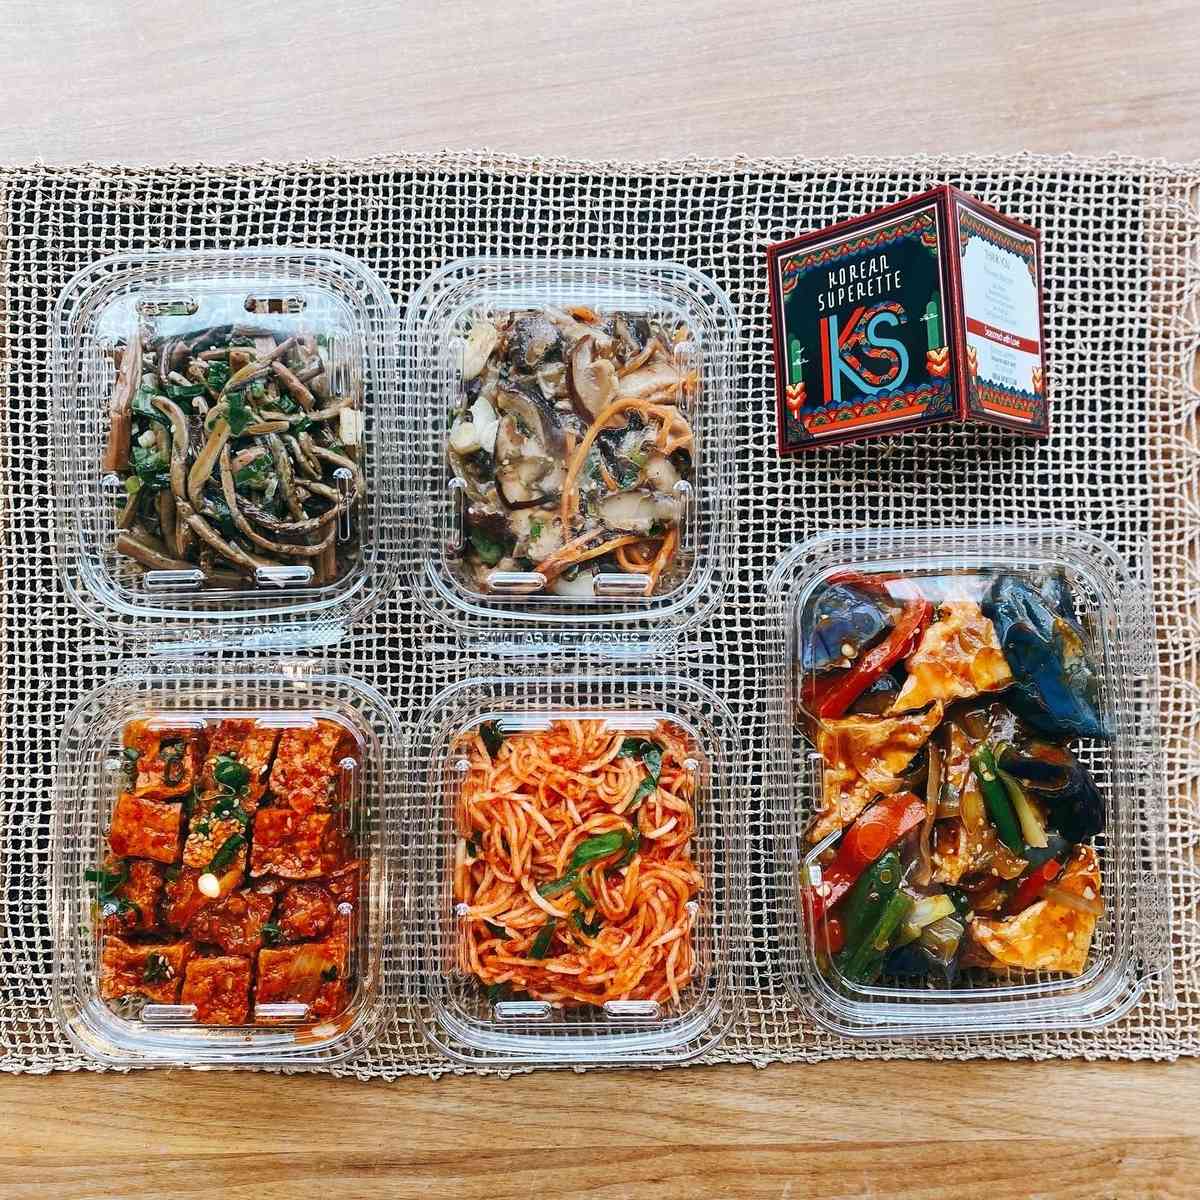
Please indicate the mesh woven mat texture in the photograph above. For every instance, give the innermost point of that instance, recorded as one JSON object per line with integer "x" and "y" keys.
{"x": 1121, "y": 238}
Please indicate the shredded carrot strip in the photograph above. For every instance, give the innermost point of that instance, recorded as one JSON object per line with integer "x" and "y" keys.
{"x": 635, "y": 559}
{"x": 561, "y": 564}
{"x": 663, "y": 412}
{"x": 619, "y": 934}
{"x": 665, "y": 554}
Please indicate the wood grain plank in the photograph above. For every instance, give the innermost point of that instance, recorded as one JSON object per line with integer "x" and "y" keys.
{"x": 153, "y": 82}
{"x": 953, "y": 1130}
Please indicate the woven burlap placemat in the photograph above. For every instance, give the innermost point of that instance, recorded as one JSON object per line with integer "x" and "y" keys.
{"x": 1121, "y": 238}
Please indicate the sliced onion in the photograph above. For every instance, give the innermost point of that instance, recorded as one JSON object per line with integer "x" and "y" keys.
{"x": 1093, "y": 908}
{"x": 974, "y": 816}
{"x": 927, "y": 911}
{"x": 1006, "y": 864}
{"x": 943, "y": 937}
{"x": 933, "y": 788}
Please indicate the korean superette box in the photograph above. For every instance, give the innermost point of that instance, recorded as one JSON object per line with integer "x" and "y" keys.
{"x": 923, "y": 312}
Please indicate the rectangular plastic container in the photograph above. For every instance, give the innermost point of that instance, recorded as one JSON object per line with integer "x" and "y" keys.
{"x": 133, "y": 1032}
{"x": 1130, "y": 951}
{"x": 688, "y": 307}
{"x": 168, "y": 298}
{"x": 459, "y": 1017}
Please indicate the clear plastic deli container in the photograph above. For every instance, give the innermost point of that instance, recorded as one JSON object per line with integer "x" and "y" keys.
{"x": 238, "y": 482}
{"x": 572, "y": 423}
{"x": 580, "y": 887}
{"x": 969, "y": 806}
{"x": 224, "y": 866}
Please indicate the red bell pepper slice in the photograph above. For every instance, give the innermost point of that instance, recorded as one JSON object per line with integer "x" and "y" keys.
{"x": 877, "y": 828}
{"x": 1030, "y": 889}
{"x": 875, "y": 584}
{"x": 832, "y": 699}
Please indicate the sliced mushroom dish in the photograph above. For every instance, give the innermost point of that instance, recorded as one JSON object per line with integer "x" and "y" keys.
{"x": 572, "y": 445}
{"x": 236, "y": 454}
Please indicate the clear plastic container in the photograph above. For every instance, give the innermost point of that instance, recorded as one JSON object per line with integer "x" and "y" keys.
{"x": 1129, "y": 954}
{"x": 325, "y": 307}
{"x": 460, "y": 1017}
{"x": 317, "y": 901}
{"x": 699, "y": 340}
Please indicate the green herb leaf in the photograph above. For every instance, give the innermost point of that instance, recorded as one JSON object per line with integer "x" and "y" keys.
{"x": 216, "y": 508}
{"x": 227, "y": 853}
{"x": 588, "y": 851}
{"x": 496, "y": 930}
{"x": 218, "y": 374}
{"x": 272, "y": 934}
{"x": 172, "y": 873}
{"x": 303, "y": 425}
{"x": 599, "y": 847}
{"x": 182, "y": 394}
{"x": 230, "y": 773}
{"x": 255, "y": 474}
{"x": 643, "y": 789}
{"x": 658, "y": 529}
{"x": 129, "y": 765}
{"x": 329, "y": 974}
{"x": 227, "y": 808}
{"x": 156, "y": 969}
{"x": 535, "y": 529}
{"x": 107, "y": 883}
{"x": 541, "y": 943}
{"x": 488, "y": 549}
{"x": 627, "y": 857}
{"x": 238, "y": 413}
{"x": 590, "y": 928}
{"x": 585, "y": 897}
{"x": 143, "y": 406}
{"x": 286, "y": 405}
{"x": 498, "y": 991}
{"x": 472, "y": 847}
{"x": 150, "y": 467}
{"x": 493, "y": 739}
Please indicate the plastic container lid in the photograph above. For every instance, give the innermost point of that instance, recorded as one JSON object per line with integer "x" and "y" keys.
{"x": 463, "y": 1019}
{"x": 145, "y": 953}
{"x": 329, "y": 325}
{"x": 503, "y": 344}
{"x": 815, "y": 585}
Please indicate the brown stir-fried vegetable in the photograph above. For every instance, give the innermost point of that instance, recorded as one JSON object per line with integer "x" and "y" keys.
{"x": 571, "y": 443}
{"x": 236, "y": 455}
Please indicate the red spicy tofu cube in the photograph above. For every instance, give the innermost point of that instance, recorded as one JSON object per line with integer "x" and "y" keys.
{"x": 145, "y": 828}
{"x": 130, "y": 906}
{"x": 220, "y": 990}
{"x": 306, "y": 768}
{"x": 183, "y": 898}
{"x": 235, "y": 922}
{"x": 142, "y": 969}
{"x": 295, "y": 845}
{"x": 306, "y": 910}
{"x": 208, "y": 839}
{"x": 343, "y": 883}
{"x": 312, "y": 973}
{"x": 248, "y": 745}
{"x": 163, "y": 762}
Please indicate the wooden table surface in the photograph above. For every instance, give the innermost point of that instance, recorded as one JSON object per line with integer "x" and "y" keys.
{"x": 87, "y": 80}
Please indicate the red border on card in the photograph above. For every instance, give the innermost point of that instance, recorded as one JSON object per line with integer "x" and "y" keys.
{"x": 948, "y": 198}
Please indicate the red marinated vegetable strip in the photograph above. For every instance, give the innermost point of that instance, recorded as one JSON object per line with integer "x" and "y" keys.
{"x": 876, "y": 584}
{"x": 833, "y": 700}
{"x": 1032, "y": 886}
{"x": 879, "y": 827}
